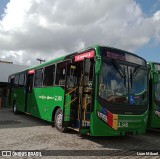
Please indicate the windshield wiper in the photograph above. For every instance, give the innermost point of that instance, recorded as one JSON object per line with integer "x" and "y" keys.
{"x": 120, "y": 70}
{"x": 134, "y": 74}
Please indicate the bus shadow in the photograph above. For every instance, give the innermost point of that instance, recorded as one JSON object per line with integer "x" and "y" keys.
{"x": 9, "y": 120}
{"x": 140, "y": 142}
{"x": 153, "y": 132}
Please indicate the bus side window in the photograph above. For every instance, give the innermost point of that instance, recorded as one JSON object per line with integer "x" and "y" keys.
{"x": 21, "y": 80}
{"x": 71, "y": 76}
{"x": 16, "y": 80}
{"x": 30, "y": 83}
{"x": 11, "y": 83}
{"x": 38, "y": 78}
{"x": 61, "y": 73}
{"x": 49, "y": 74}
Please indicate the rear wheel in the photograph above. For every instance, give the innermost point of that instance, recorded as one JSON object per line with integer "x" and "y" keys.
{"x": 15, "y": 111}
{"x": 58, "y": 120}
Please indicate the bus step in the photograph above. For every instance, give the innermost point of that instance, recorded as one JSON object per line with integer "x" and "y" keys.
{"x": 75, "y": 129}
{"x": 81, "y": 131}
{"x": 85, "y": 123}
{"x": 27, "y": 113}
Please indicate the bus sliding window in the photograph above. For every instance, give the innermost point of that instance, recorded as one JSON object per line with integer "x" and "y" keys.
{"x": 16, "y": 80}
{"x": 61, "y": 73}
{"x": 38, "y": 78}
{"x": 49, "y": 75}
{"x": 21, "y": 80}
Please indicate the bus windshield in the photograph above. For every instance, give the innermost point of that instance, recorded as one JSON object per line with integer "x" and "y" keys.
{"x": 112, "y": 83}
{"x": 121, "y": 83}
{"x": 138, "y": 85}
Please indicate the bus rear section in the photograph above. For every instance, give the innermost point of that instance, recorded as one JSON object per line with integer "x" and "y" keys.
{"x": 154, "y": 97}
{"x": 109, "y": 95}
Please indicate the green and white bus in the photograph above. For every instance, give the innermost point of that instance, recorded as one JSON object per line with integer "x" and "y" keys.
{"x": 100, "y": 91}
{"x": 154, "y": 95}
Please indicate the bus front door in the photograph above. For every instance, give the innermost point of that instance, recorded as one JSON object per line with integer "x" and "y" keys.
{"x": 78, "y": 96}
{"x": 70, "y": 110}
{"x": 85, "y": 96}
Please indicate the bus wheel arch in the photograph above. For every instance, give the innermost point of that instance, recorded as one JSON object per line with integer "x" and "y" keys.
{"x": 58, "y": 118}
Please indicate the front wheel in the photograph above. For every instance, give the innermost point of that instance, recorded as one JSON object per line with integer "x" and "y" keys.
{"x": 58, "y": 120}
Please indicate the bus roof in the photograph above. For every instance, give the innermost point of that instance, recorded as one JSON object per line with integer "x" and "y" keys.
{"x": 96, "y": 47}
{"x": 47, "y": 62}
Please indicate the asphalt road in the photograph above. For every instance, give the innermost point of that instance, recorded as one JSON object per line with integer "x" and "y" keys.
{"x": 31, "y": 136}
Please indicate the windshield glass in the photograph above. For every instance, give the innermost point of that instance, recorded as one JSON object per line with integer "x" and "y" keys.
{"x": 157, "y": 89}
{"x": 119, "y": 83}
{"x": 113, "y": 87}
{"x": 138, "y": 85}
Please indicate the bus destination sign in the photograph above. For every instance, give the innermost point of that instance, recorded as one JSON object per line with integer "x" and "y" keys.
{"x": 31, "y": 72}
{"x": 126, "y": 57}
{"x": 81, "y": 57}
{"x": 116, "y": 56}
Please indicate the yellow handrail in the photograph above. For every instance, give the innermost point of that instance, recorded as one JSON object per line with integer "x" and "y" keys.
{"x": 72, "y": 90}
{"x": 71, "y": 101}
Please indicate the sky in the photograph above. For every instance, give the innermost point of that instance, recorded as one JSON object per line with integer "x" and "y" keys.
{"x": 46, "y": 29}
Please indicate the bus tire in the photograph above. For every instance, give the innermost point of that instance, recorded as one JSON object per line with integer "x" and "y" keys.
{"x": 58, "y": 120}
{"x": 15, "y": 111}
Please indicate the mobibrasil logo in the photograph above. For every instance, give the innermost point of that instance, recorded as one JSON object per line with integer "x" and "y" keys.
{"x": 157, "y": 112}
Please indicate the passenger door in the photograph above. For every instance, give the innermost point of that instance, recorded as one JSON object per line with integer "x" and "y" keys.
{"x": 70, "y": 110}
{"x": 85, "y": 96}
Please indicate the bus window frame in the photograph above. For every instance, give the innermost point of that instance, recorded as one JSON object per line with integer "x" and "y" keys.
{"x": 54, "y": 76}
{"x": 24, "y": 80}
{"x": 11, "y": 85}
{"x": 65, "y": 61}
{"x": 16, "y": 85}
{"x": 34, "y": 78}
